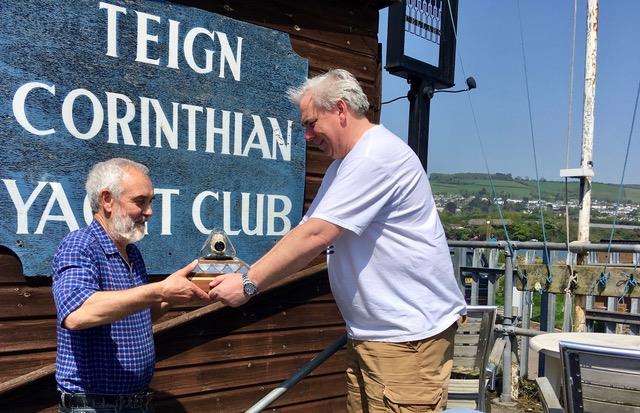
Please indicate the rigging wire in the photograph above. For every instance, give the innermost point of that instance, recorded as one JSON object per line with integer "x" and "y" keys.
{"x": 568, "y": 320}
{"x": 477, "y": 133}
{"x": 533, "y": 144}
{"x": 624, "y": 169}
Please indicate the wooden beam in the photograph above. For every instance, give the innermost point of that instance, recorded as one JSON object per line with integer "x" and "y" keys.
{"x": 585, "y": 279}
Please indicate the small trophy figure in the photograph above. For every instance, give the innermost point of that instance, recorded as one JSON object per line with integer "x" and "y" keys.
{"x": 217, "y": 256}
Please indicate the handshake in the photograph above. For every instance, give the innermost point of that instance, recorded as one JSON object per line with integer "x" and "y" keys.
{"x": 217, "y": 265}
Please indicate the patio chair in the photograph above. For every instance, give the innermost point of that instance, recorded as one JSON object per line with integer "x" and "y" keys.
{"x": 595, "y": 379}
{"x": 475, "y": 359}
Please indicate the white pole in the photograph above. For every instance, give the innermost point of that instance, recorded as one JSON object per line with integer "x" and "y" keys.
{"x": 588, "y": 118}
{"x": 587, "y": 142}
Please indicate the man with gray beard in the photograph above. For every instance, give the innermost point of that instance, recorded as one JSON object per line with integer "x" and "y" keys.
{"x": 106, "y": 355}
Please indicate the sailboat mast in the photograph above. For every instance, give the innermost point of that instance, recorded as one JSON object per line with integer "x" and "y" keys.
{"x": 586, "y": 163}
{"x": 588, "y": 120}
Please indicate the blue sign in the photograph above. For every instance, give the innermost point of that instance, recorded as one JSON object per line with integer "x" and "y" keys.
{"x": 197, "y": 97}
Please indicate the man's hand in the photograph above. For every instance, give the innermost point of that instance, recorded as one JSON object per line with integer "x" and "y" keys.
{"x": 178, "y": 289}
{"x": 227, "y": 289}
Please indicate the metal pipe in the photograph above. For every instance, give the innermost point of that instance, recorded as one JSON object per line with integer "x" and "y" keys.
{"x": 508, "y": 321}
{"x": 526, "y": 323}
{"x": 575, "y": 246}
{"x": 420, "y": 96}
{"x": 517, "y": 331}
{"x": 298, "y": 375}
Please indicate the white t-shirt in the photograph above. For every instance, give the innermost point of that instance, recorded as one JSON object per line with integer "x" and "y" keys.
{"x": 390, "y": 272}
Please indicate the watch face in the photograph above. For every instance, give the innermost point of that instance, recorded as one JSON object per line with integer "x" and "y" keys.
{"x": 249, "y": 288}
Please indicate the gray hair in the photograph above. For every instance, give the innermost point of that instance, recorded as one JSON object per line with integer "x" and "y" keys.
{"x": 108, "y": 175}
{"x": 327, "y": 88}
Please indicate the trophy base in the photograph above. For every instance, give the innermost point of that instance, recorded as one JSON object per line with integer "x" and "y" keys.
{"x": 202, "y": 280}
{"x": 208, "y": 269}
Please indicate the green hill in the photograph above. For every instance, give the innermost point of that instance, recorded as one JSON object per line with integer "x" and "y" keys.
{"x": 523, "y": 188}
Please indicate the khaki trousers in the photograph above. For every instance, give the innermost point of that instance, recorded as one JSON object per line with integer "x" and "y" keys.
{"x": 399, "y": 377}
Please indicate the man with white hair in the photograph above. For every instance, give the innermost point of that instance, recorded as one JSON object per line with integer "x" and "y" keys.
{"x": 389, "y": 264}
{"x": 105, "y": 307}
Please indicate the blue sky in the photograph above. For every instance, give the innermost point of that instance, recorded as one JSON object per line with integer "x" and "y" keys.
{"x": 489, "y": 49}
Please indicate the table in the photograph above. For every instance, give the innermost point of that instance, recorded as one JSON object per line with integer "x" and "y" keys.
{"x": 549, "y": 345}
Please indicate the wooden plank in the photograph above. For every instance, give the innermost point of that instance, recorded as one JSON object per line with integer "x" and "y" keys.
{"x": 312, "y": 184}
{"x": 469, "y": 404}
{"x": 610, "y": 377}
{"x": 317, "y": 162}
{"x": 469, "y": 327}
{"x": 26, "y": 380}
{"x": 15, "y": 365}
{"x": 27, "y": 335}
{"x": 23, "y": 301}
{"x": 464, "y": 364}
{"x": 256, "y": 319}
{"x": 466, "y": 339}
{"x": 228, "y": 321}
{"x": 613, "y": 316}
{"x": 10, "y": 267}
{"x": 592, "y": 406}
{"x": 355, "y": 17}
{"x": 605, "y": 394}
{"x": 587, "y": 279}
{"x": 239, "y": 399}
{"x": 465, "y": 351}
{"x": 218, "y": 376}
{"x": 181, "y": 352}
{"x": 464, "y": 386}
{"x": 324, "y": 58}
{"x": 548, "y": 396}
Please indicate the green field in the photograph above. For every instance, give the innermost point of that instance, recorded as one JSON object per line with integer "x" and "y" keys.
{"x": 507, "y": 187}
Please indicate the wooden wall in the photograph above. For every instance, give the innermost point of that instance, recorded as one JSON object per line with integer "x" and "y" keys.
{"x": 229, "y": 359}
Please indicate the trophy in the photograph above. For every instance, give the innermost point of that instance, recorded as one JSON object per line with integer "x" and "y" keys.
{"x": 217, "y": 256}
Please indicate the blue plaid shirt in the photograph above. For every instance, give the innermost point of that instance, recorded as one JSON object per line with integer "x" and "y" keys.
{"x": 116, "y": 358}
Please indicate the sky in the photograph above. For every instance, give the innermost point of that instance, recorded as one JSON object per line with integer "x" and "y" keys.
{"x": 489, "y": 48}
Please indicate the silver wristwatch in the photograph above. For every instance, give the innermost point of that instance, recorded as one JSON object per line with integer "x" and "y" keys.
{"x": 248, "y": 286}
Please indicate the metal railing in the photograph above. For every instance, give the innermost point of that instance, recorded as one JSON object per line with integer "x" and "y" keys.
{"x": 509, "y": 327}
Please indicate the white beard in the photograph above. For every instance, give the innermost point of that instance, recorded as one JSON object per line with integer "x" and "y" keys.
{"x": 126, "y": 230}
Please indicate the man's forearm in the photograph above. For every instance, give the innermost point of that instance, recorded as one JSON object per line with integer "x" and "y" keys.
{"x": 294, "y": 251}
{"x": 105, "y": 307}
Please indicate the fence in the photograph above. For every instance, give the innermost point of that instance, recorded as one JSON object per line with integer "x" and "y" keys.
{"x": 478, "y": 270}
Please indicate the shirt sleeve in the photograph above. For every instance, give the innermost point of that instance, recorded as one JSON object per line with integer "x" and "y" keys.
{"x": 75, "y": 278}
{"x": 356, "y": 196}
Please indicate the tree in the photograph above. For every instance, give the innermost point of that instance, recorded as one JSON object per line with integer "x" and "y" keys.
{"x": 451, "y": 207}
